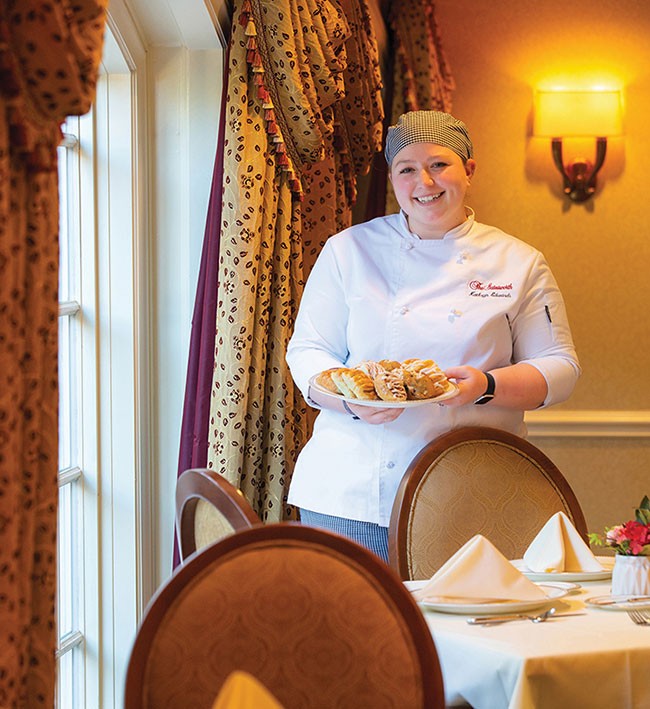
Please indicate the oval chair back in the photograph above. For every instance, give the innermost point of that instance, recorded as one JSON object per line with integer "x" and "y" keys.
{"x": 474, "y": 480}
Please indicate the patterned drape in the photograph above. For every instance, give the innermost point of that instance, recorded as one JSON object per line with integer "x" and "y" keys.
{"x": 303, "y": 118}
{"x": 49, "y": 56}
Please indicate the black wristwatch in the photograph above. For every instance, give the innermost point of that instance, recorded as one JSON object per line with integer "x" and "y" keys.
{"x": 488, "y": 395}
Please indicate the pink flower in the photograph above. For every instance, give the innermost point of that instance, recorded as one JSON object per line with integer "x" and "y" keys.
{"x": 615, "y": 535}
{"x": 638, "y": 535}
{"x": 631, "y": 538}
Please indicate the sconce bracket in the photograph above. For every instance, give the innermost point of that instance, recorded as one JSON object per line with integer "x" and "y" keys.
{"x": 579, "y": 176}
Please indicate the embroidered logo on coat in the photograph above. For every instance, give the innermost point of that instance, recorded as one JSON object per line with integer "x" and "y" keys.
{"x": 479, "y": 289}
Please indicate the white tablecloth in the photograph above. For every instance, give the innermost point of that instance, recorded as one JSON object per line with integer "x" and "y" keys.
{"x": 599, "y": 660}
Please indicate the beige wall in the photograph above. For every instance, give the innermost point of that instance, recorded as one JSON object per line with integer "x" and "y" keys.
{"x": 499, "y": 52}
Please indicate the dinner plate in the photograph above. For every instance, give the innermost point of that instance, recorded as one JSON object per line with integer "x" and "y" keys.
{"x": 568, "y": 586}
{"x": 619, "y": 603}
{"x": 381, "y": 404}
{"x": 606, "y": 573}
{"x": 553, "y": 592}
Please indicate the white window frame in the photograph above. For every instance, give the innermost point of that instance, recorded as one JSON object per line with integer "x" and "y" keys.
{"x": 142, "y": 233}
{"x": 110, "y": 473}
{"x": 70, "y": 571}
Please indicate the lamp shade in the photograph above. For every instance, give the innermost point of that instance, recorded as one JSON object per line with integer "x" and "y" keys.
{"x": 561, "y": 114}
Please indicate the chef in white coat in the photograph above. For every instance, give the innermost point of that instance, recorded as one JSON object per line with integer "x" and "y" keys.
{"x": 429, "y": 282}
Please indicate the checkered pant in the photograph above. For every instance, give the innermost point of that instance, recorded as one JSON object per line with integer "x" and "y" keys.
{"x": 367, "y": 534}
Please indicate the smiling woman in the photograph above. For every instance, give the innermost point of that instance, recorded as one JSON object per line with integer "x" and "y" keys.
{"x": 405, "y": 286}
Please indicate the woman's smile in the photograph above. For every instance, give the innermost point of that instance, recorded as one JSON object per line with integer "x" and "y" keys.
{"x": 428, "y": 199}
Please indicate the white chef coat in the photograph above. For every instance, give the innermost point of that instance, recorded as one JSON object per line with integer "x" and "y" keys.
{"x": 476, "y": 297}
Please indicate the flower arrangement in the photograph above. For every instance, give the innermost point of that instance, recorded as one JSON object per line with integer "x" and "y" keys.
{"x": 631, "y": 538}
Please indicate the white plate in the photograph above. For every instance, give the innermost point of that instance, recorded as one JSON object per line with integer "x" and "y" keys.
{"x": 606, "y": 561}
{"x": 380, "y": 404}
{"x": 553, "y": 592}
{"x": 619, "y": 603}
{"x": 568, "y": 586}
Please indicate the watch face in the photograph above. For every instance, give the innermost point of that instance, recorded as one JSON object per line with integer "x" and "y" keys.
{"x": 484, "y": 399}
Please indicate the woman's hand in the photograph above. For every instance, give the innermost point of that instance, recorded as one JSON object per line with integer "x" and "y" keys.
{"x": 375, "y": 414}
{"x": 472, "y": 383}
{"x": 518, "y": 386}
{"x": 369, "y": 414}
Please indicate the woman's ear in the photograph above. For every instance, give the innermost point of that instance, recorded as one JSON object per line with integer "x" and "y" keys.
{"x": 470, "y": 168}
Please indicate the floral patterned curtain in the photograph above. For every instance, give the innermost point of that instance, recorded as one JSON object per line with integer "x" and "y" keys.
{"x": 49, "y": 56}
{"x": 303, "y": 118}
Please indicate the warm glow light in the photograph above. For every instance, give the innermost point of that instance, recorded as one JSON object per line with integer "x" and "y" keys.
{"x": 563, "y": 114}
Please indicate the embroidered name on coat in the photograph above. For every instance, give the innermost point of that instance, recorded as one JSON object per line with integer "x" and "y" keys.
{"x": 479, "y": 289}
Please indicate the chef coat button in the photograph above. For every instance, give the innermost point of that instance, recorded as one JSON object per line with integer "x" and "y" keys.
{"x": 390, "y": 464}
{"x": 453, "y": 314}
{"x": 408, "y": 246}
{"x": 404, "y": 310}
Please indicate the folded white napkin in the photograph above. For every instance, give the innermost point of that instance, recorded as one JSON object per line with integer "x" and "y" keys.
{"x": 478, "y": 573}
{"x": 559, "y": 547}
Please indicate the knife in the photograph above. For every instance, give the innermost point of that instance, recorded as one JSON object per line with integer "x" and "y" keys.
{"x": 494, "y": 619}
{"x": 622, "y": 601}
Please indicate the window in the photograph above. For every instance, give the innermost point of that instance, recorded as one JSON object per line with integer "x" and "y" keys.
{"x": 70, "y": 568}
{"x": 99, "y": 566}
{"x": 135, "y": 184}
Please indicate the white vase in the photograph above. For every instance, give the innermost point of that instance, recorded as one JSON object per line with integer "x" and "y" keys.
{"x": 631, "y": 576}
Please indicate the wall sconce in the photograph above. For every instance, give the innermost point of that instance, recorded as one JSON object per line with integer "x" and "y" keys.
{"x": 578, "y": 114}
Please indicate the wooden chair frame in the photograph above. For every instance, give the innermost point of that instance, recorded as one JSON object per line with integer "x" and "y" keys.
{"x": 421, "y": 464}
{"x": 289, "y": 534}
{"x": 202, "y": 484}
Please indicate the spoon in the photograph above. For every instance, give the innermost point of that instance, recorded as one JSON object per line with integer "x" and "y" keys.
{"x": 543, "y": 616}
{"x": 494, "y": 619}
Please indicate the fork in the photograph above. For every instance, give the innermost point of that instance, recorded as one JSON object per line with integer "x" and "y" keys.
{"x": 639, "y": 617}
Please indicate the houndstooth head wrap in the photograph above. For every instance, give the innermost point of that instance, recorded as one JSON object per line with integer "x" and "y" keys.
{"x": 428, "y": 127}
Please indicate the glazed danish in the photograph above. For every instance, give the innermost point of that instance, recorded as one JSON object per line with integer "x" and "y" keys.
{"x": 389, "y": 384}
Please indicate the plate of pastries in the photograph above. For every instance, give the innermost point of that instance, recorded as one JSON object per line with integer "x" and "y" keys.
{"x": 387, "y": 383}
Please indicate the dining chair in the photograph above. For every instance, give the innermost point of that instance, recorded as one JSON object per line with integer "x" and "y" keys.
{"x": 317, "y": 619}
{"x": 208, "y": 508}
{"x": 474, "y": 480}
